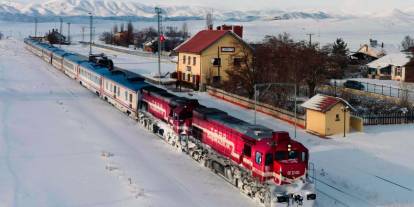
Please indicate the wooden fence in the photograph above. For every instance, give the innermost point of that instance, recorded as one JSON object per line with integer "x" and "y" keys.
{"x": 279, "y": 113}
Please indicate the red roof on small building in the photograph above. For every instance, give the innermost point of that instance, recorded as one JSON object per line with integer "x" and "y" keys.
{"x": 323, "y": 103}
{"x": 201, "y": 41}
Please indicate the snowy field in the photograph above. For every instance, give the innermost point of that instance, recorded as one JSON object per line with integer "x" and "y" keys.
{"x": 355, "y": 31}
{"x": 52, "y": 135}
{"x": 373, "y": 168}
{"x": 143, "y": 65}
{"x": 367, "y": 169}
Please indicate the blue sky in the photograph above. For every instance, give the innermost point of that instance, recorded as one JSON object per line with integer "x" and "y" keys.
{"x": 348, "y": 6}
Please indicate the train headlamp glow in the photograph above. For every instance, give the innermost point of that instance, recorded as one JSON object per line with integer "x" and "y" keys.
{"x": 289, "y": 147}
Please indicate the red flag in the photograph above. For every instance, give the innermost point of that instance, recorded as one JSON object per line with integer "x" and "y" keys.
{"x": 162, "y": 38}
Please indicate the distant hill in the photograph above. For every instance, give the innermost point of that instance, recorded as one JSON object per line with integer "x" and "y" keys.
{"x": 112, "y": 9}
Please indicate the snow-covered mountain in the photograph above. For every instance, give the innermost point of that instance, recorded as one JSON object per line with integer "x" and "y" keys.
{"x": 113, "y": 8}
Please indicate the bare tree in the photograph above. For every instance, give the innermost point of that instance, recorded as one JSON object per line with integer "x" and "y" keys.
{"x": 106, "y": 37}
{"x": 122, "y": 27}
{"x": 115, "y": 29}
{"x": 130, "y": 33}
{"x": 184, "y": 30}
{"x": 407, "y": 43}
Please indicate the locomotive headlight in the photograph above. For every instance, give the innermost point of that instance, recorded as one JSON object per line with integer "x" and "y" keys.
{"x": 283, "y": 199}
{"x": 311, "y": 196}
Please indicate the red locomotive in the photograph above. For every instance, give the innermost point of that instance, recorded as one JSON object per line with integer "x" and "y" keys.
{"x": 254, "y": 158}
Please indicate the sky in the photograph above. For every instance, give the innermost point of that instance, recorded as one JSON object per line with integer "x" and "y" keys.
{"x": 346, "y": 6}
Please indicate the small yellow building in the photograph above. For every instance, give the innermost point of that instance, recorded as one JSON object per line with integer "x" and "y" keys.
{"x": 327, "y": 115}
{"x": 205, "y": 57}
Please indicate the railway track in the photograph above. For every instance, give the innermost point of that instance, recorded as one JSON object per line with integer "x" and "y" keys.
{"x": 341, "y": 191}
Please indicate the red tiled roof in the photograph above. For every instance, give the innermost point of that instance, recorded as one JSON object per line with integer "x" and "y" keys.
{"x": 322, "y": 103}
{"x": 201, "y": 41}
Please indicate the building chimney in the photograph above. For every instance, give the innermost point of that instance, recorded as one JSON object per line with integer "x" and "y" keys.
{"x": 238, "y": 30}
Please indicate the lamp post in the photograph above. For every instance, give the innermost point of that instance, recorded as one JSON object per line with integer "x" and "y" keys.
{"x": 36, "y": 27}
{"x": 90, "y": 33}
{"x": 158, "y": 11}
{"x": 69, "y": 32}
{"x": 345, "y": 110}
{"x": 256, "y": 92}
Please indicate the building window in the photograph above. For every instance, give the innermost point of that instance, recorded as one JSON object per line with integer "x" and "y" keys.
{"x": 184, "y": 58}
{"x": 189, "y": 60}
{"x": 237, "y": 61}
{"x": 216, "y": 61}
{"x": 194, "y": 60}
{"x": 188, "y": 68}
{"x": 337, "y": 118}
{"x": 188, "y": 77}
{"x": 194, "y": 78}
{"x": 183, "y": 76}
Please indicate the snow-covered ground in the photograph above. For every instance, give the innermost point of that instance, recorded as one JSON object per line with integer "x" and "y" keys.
{"x": 147, "y": 66}
{"x": 52, "y": 135}
{"x": 373, "y": 168}
{"x": 362, "y": 170}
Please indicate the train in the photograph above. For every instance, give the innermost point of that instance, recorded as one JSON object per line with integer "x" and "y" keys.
{"x": 266, "y": 165}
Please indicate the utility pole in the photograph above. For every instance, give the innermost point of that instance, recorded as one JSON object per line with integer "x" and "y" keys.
{"x": 69, "y": 32}
{"x": 61, "y": 31}
{"x": 90, "y": 33}
{"x": 83, "y": 34}
{"x": 35, "y": 26}
{"x": 310, "y": 38}
{"x": 158, "y": 12}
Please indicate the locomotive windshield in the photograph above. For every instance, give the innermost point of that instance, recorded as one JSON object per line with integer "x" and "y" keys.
{"x": 290, "y": 155}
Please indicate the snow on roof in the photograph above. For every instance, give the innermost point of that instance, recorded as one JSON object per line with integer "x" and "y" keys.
{"x": 395, "y": 59}
{"x": 323, "y": 103}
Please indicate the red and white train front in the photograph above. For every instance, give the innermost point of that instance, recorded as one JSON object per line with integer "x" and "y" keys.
{"x": 271, "y": 157}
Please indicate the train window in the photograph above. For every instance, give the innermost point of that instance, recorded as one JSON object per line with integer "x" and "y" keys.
{"x": 119, "y": 91}
{"x": 114, "y": 89}
{"x": 126, "y": 95}
{"x": 269, "y": 159}
{"x": 280, "y": 156}
{"x": 293, "y": 155}
{"x": 130, "y": 97}
{"x": 247, "y": 150}
{"x": 304, "y": 157}
{"x": 258, "y": 158}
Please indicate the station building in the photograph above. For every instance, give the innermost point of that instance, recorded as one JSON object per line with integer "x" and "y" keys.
{"x": 204, "y": 58}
